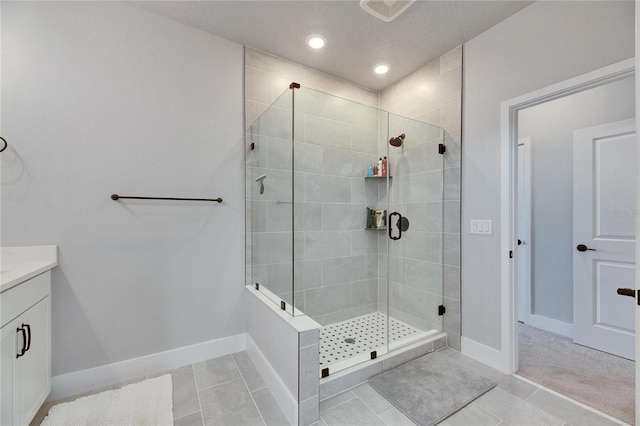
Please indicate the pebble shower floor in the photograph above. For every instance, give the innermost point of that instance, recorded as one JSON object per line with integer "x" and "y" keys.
{"x": 367, "y": 331}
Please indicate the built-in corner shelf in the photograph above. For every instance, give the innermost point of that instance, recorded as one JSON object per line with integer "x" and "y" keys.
{"x": 371, "y": 220}
{"x": 377, "y": 177}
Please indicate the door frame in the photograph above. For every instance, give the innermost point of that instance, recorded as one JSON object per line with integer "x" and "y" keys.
{"x": 508, "y": 190}
{"x": 525, "y": 297}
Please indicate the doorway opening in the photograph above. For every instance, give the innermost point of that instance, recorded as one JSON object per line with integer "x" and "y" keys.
{"x": 538, "y": 285}
{"x": 576, "y": 168}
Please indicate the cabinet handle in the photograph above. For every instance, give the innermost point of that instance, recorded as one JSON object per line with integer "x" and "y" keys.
{"x": 29, "y": 339}
{"x": 22, "y": 330}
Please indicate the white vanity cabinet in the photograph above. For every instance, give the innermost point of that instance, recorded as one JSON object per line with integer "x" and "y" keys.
{"x": 25, "y": 348}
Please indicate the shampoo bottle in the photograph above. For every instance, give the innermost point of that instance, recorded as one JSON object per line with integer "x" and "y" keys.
{"x": 384, "y": 166}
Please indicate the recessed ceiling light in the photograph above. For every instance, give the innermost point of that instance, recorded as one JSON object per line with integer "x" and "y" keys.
{"x": 381, "y": 69}
{"x": 316, "y": 41}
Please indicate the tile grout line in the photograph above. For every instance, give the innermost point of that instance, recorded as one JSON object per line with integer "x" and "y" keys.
{"x": 380, "y": 415}
{"x": 195, "y": 382}
{"x": 182, "y": 417}
{"x": 220, "y": 384}
{"x": 247, "y": 388}
{"x": 500, "y": 419}
{"x": 390, "y": 410}
{"x": 366, "y": 405}
{"x": 535, "y": 392}
{"x": 343, "y": 402}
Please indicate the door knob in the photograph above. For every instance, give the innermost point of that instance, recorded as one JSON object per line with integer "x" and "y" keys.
{"x": 582, "y": 247}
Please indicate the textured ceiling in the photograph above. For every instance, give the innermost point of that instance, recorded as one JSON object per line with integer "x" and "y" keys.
{"x": 356, "y": 41}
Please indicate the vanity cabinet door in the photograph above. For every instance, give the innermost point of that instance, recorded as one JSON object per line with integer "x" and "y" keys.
{"x": 25, "y": 379}
{"x": 8, "y": 342}
{"x": 33, "y": 368}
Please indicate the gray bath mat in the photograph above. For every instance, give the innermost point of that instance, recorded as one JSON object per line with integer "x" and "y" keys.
{"x": 430, "y": 388}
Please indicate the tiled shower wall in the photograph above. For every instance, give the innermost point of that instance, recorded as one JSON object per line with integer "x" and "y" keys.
{"x": 336, "y": 259}
{"x": 433, "y": 94}
{"x": 267, "y": 77}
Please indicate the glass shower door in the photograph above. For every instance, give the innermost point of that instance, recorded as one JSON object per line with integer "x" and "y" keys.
{"x": 336, "y": 246}
{"x": 416, "y": 234}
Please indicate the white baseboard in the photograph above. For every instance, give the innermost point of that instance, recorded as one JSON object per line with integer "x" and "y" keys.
{"x": 552, "y": 325}
{"x": 287, "y": 402}
{"x": 82, "y": 381}
{"x": 483, "y": 353}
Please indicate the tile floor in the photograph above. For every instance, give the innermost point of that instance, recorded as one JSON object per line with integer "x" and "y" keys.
{"x": 229, "y": 391}
{"x": 512, "y": 402}
{"x": 222, "y": 391}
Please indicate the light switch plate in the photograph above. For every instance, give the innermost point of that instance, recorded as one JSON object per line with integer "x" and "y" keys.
{"x": 482, "y": 227}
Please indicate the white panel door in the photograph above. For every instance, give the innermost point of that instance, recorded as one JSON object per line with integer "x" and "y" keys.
{"x": 604, "y": 209}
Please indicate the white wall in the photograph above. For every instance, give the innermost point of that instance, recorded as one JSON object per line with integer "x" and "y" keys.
{"x": 550, "y": 126}
{"x": 545, "y": 43}
{"x": 101, "y": 98}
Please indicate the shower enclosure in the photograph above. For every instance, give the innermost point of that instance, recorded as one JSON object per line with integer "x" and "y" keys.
{"x": 329, "y": 235}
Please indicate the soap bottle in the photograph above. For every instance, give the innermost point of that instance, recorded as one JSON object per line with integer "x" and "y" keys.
{"x": 379, "y": 167}
{"x": 384, "y": 166}
{"x": 370, "y": 170}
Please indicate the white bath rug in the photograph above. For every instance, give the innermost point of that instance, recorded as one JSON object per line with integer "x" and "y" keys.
{"x": 149, "y": 402}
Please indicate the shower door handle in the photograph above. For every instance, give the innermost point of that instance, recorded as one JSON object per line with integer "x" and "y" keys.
{"x": 398, "y": 224}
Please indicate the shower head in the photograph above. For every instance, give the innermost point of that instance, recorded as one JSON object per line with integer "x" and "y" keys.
{"x": 397, "y": 141}
{"x": 260, "y": 179}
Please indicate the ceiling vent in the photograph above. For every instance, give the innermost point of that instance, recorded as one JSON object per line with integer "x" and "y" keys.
{"x": 386, "y": 10}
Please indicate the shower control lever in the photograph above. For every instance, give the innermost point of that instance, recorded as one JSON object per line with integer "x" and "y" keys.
{"x": 582, "y": 247}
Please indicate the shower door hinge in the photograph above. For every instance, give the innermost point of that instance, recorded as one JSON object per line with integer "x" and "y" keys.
{"x": 257, "y": 286}
{"x": 253, "y": 146}
{"x": 283, "y": 305}
{"x": 510, "y": 254}
{"x": 441, "y": 310}
{"x": 374, "y": 354}
{"x": 324, "y": 373}
{"x": 441, "y": 148}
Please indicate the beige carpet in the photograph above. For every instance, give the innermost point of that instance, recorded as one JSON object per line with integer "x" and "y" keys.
{"x": 597, "y": 379}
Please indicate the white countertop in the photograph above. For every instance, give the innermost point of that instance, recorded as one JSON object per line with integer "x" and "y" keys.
{"x": 18, "y": 264}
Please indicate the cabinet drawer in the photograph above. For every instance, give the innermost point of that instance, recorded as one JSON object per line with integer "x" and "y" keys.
{"x": 18, "y": 299}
